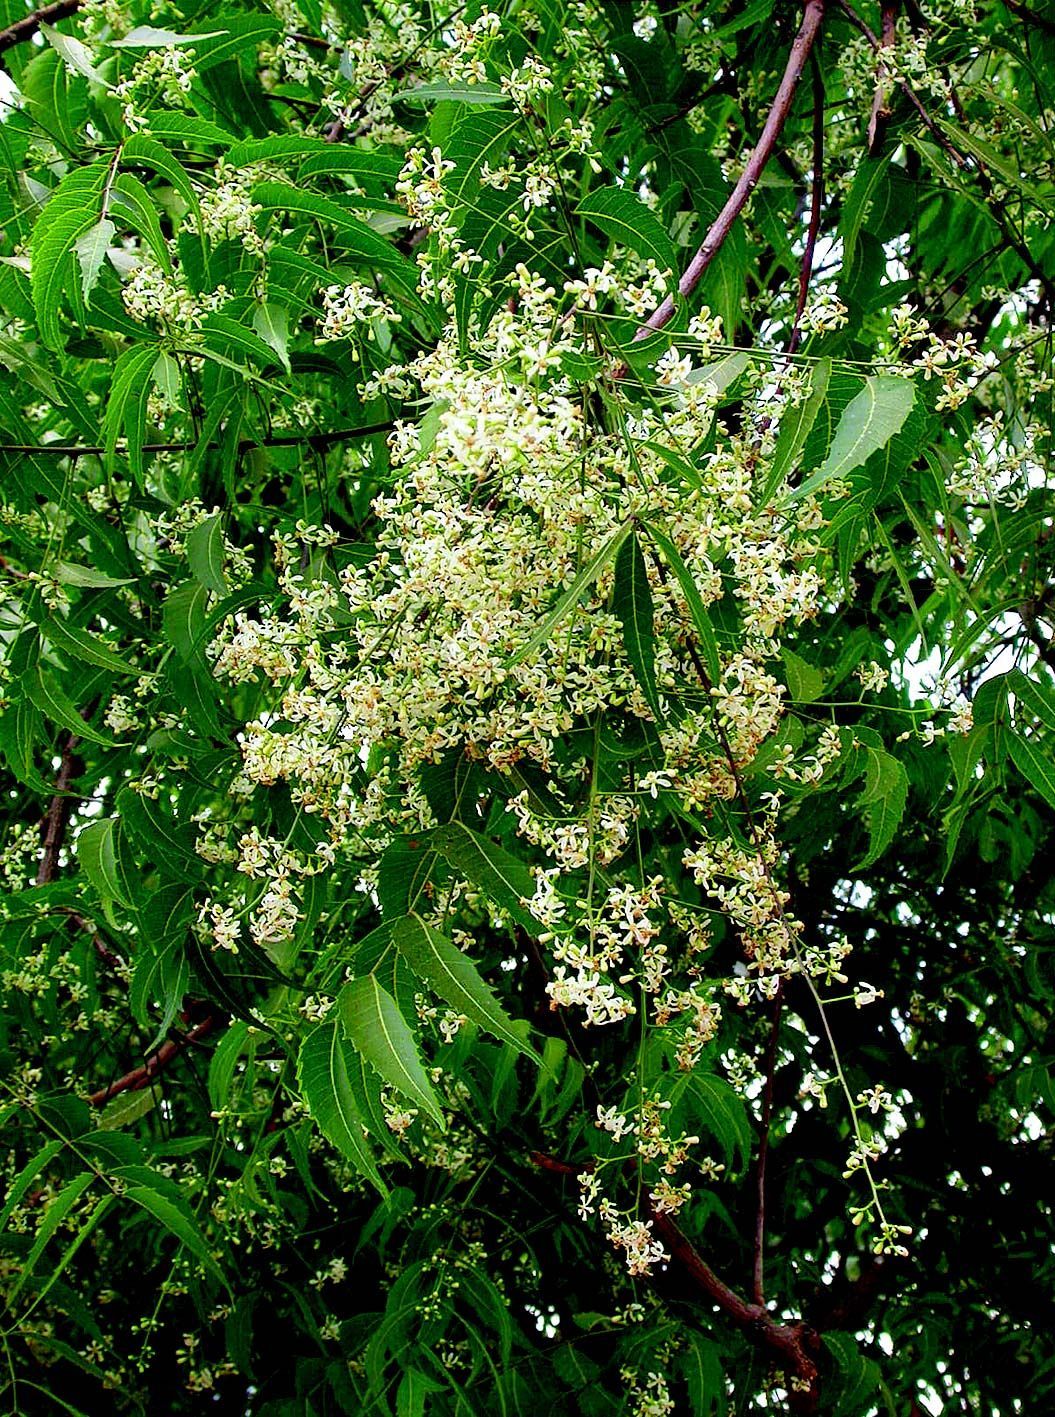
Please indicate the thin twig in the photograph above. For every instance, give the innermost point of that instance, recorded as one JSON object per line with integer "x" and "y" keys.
{"x": 758, "y": 1277}
{"x": 816, "y": 204}
{"x": 245, "y": 445}
{"x": 965, "y": 165}
{"x": 60, "y": 809}
{"x": 142, "y": 1076}
{"x": 881, "y": 99}
{"x": 774, "y": 125}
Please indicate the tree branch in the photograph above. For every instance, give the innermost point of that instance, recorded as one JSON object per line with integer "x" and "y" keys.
{"x": 816, "y": 205}
{"x": 142, "y": 1076}
{"x": 881, "y": 99}
{"x": 774, "y": 124}
{"x": 758, "y": 1284}
{"x": 245, "y": 445}
{"x": 60, "y": 809}
{"x": 28, "y": 26}
{"x": 792, "y": 1345}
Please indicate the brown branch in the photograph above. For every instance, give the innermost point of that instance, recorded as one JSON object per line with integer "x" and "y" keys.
{"x": 142, "y": 1076}
{"x": 1031, "y": 16}
{"x": 774, "y": 124}
{"x": 245, "y": 445}
{"x": 60, "y": 809}
{"x": 816, "y": 205}
{"x": 793, "y": 1346}
{"x": 758, "y": 1273}
{"x": 28, "y": 26}
{"x": 881, "y": 99}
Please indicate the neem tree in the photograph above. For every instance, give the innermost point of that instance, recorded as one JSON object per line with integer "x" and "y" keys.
{"x": 528, "y": 607}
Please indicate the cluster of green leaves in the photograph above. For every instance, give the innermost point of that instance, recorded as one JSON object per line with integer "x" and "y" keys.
{"x": 208, "y": 1198}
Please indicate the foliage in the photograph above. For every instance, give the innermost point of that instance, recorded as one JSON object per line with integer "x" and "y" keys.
{"x": 529, "y": 705}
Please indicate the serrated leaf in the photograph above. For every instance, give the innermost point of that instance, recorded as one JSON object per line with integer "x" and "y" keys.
{"x": 1034, "y": 764}
{"x": 571, "y": 596}
{"x": 206, "y": 553}
{"x": 73, "y": 53}
{"x": 91, "y": 249}
{"x": 148, "y": 37}
{"x": 271, "y": 322}
{"x": 884, "y": 797}
{"x": 87, "y": 577}
{"x": 179, "y": 1221}
{"x": 126, "y": 1108}
{"x": 795, "y": 425}
{"x": 323, "y": 1069}
{"x": 55, "y": 1213}
{"x": 44, "y": 692}
{"x": 503, "y": 878}
{"x": 627, "y": 220}
{"x": 378, "y": 1031}
{"x": 700, "y": 618}
{"x": 183, "y": 618}
{"x": 483, "y": 93}
{"x": 805, "y": 682}
{"x": 82, "y": 645}
{"x": 869, "y": 421}
{"x": 450, "y": 973}
{"x": 99, "y": 851}
{"x": 632, "y": 605}
{"x": 166, "y": 378}
{"x": 722, "y": 1112}
{"x": 363, "y": 240}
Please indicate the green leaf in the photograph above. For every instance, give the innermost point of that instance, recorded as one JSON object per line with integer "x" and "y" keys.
{"x": 482, "y": 93}
{"x": 632, "y": 605}
{"x": 73, "y": 53}
{"x": 365, "y": 243}
{"x": 700, "y": 618}
{"x": 72, "y": 210}
{"x": 503, "y": 878}
{"x": 91, "y": 249}
{"x": 148, "y": 37}
{"x": 206, "y": 552}
{"x": 1034, "y": 764}
{"x": 126, "y": 406}
{"x": 721, "y": 1111}
{"x": 165, "y": 376}
{"x": 795, "y": 425}
{"x": 140, "y": 148}
{"x": 43, "y": 691}
{"x": 323, "y": 1070}
{"x": 702, "y": 1366}
{"x": 378, "y": 1031}
{"x": 82, "y": 645}
{"x": 87, "y": 577}
{"x": 571, "y": 596}
{"x": 126, "y": 1108}
{"x": 100, "y": 852}
{"x": 884, "y": 796}
{"x": 439, "y": 962}
{"x": 805, "y": 682}
{"x": 178, "y": 1220}
{"x": 183, "y": 618}
{"x": 627, "y": 220}
{"x": 868, "y": 423}
{"x": 271, "y": 323}
{"x": 55, "y": 1213}
{"x": 25, "y": 1178}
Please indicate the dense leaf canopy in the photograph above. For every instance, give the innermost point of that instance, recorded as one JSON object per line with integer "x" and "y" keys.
{"x": 528, "y": 599}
